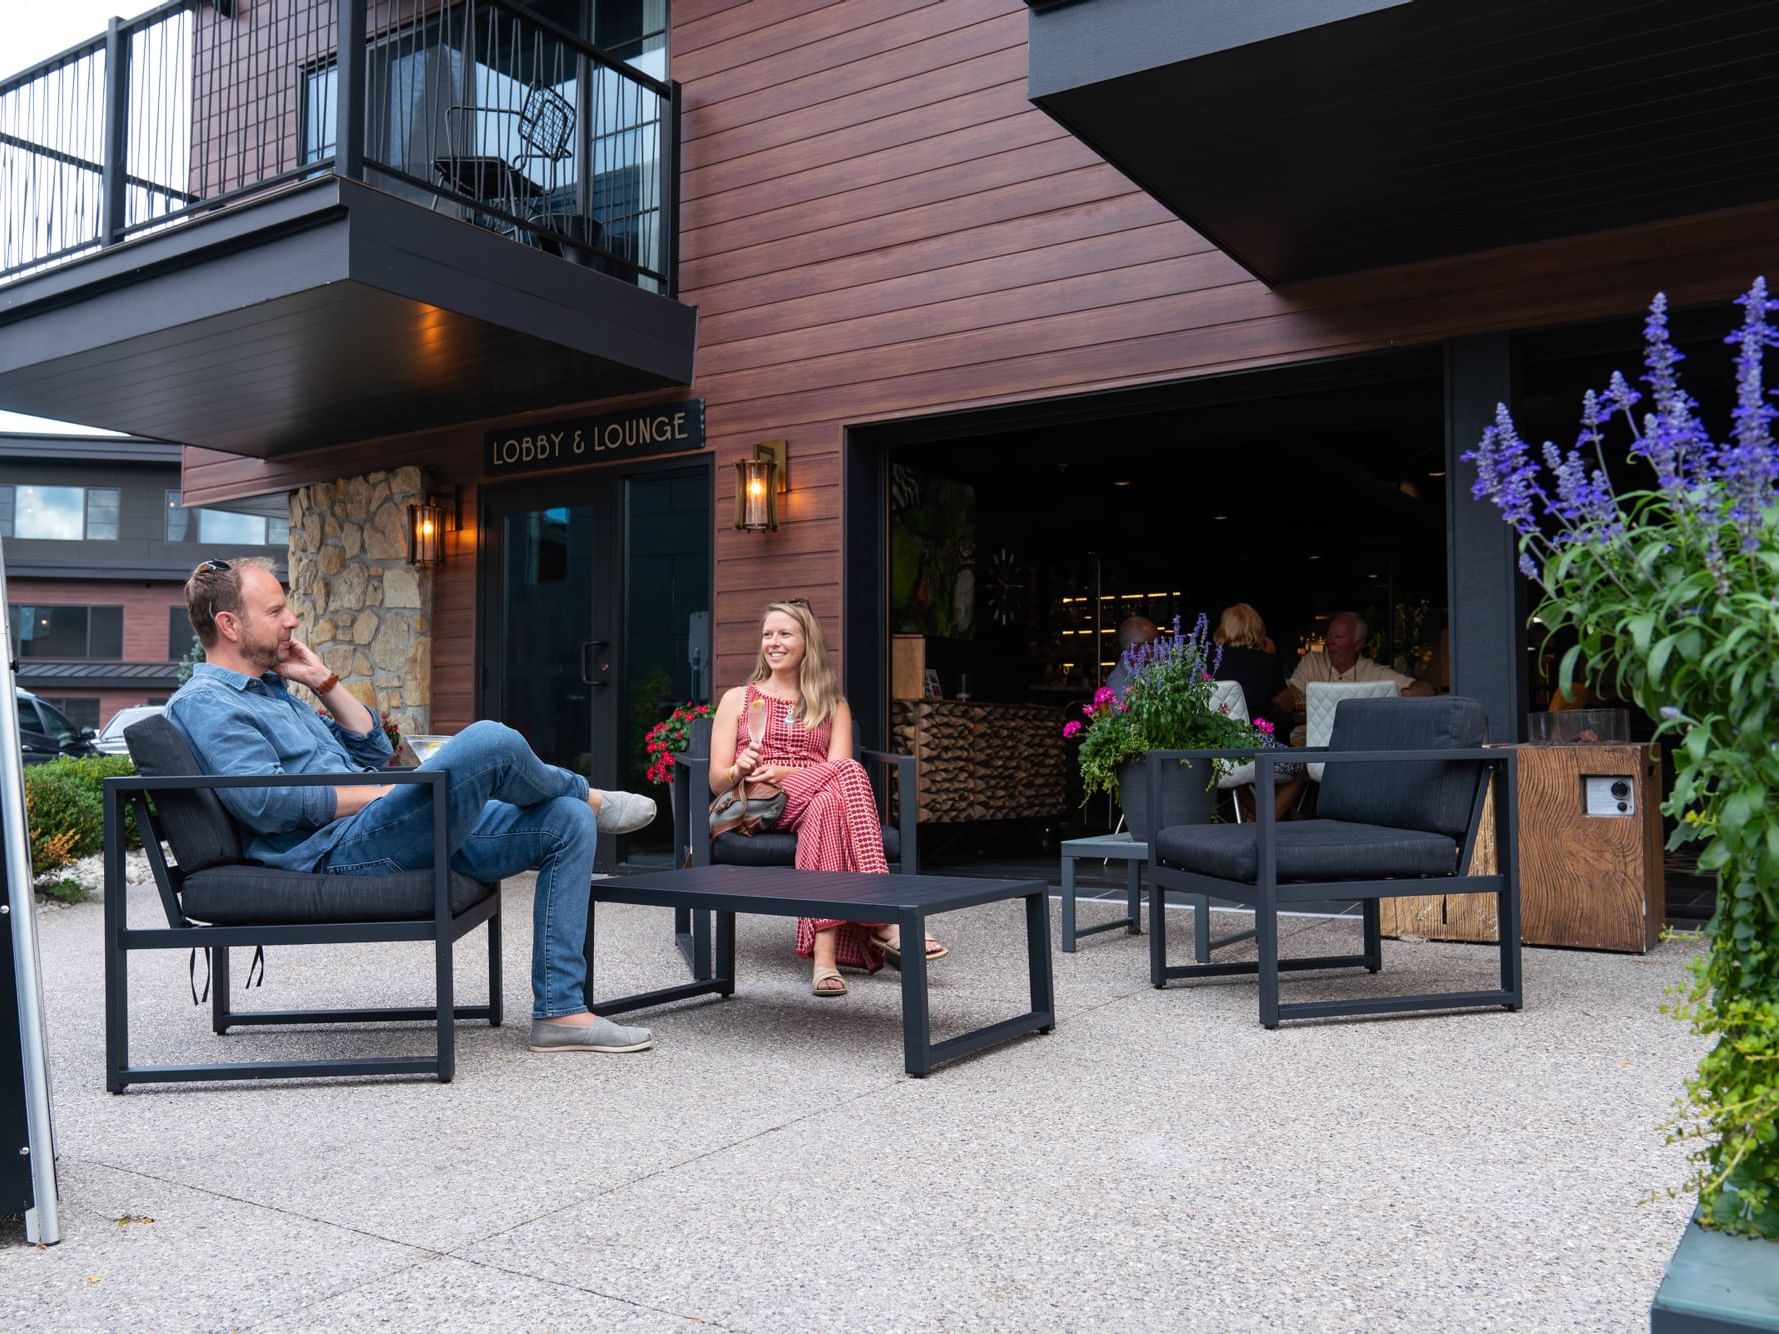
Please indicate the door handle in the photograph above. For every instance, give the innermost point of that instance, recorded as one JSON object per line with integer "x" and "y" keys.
{"x": 596, "y": 663}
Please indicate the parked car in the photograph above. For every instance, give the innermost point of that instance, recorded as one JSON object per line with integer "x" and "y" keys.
{"x": 110, "y": 740}
{"x": 45, "y": 734}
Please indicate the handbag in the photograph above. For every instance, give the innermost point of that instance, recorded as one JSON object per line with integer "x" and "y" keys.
{"x": 753, "y": 811}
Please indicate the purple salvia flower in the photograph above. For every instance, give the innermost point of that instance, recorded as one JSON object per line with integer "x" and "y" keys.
{"x": 1747, "y": 467}
{"x": 1506, "y": 474}
{"x": 1619, "y": 397}
{"x": 1673, "y": 440}
{"x": 1528, "y": 566}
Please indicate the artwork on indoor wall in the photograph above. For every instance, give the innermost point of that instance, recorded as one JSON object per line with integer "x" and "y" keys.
{"x": 932, "y": 554}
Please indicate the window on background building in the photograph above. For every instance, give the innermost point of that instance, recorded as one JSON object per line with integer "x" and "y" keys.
{"x": 635, "y": 31}
{"x": 59, "y": 513}
{"x": 79, "y": 712}
{"x": 180, "y": 635}
{"x": 220, "y": 527}
{"x": 101, "y": 514}
{"x": 68, "y": 632}
{"x": 320, "y": 97}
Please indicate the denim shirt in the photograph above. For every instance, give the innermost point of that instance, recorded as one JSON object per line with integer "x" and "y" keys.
{"x": 239, "y": 724}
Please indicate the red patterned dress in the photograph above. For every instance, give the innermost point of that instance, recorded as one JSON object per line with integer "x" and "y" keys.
{"x": 830, "y": 807}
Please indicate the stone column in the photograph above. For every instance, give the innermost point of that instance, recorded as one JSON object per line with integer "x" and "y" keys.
{"x": 363, "y": 608}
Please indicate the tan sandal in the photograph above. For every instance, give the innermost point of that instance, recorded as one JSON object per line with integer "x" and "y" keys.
{"x": 827, "y": 975}
{"x": 892, "y": 950}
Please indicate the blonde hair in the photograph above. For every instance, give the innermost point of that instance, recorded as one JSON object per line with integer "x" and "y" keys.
{"x": 1240, "y": 626}
{"x": 817, "y": 686}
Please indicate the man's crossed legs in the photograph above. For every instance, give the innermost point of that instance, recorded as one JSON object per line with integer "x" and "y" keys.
{"x": 506, "y": 812}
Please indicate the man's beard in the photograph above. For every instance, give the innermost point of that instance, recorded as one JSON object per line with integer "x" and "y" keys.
{"x": 264, "y": 656}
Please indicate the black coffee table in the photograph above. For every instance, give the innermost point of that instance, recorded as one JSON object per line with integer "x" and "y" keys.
{"x": 906, "y": 900}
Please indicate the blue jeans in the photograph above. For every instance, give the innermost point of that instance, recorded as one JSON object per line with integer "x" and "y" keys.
{"x": 506, "y": 812}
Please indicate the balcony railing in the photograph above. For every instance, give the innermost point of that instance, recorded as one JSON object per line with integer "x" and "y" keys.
{"x": 476, "y": 108}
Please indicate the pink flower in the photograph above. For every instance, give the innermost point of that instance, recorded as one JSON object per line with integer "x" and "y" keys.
{"x": 1206, "y": 675}
{"x": 1103, "y": 695}
{"x": 1071, "y": 727}
{"x": 1264, "y": 726}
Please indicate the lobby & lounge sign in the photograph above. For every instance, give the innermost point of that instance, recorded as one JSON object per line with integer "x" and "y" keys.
{"x": 665, "y": 428}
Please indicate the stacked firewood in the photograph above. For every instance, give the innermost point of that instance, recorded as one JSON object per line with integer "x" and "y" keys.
{"x": 983, "y": 761}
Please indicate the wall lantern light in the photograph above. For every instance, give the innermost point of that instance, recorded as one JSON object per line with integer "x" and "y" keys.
{"x": 427, "y": 524}
{"x": 759, "y": 482}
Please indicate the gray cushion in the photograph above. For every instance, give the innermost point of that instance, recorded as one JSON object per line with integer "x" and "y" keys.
{"x": 1434, "y": 796}
{"x": 780, "y": 848}
{"x": 252, "y": 895}
{"x": 1308, "y": 850}
{"x": 196, "y": 824}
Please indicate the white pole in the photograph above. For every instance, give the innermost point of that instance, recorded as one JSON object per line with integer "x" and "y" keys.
{"x": 41, "y": 1224}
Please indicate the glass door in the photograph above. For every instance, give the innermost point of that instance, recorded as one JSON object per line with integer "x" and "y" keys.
{"x": 666, "y": 643}
{"x": 546, "y": 658}
{"x": 595, "y": 621}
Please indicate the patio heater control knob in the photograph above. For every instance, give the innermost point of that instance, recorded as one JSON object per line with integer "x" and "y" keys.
{"x": 1621, "y": 789}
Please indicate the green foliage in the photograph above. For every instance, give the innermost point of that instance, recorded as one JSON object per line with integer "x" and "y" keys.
{"x": 65, "y": 809}
{"x": 66, "y": 891}
{"x": 1699, "y": 651}
{"x": 1676, "y": 590}
{"x": 646, "y": 696}
{"x": 193, "y": 656}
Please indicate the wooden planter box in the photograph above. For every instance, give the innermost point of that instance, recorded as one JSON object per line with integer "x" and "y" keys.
{"x": 1586, "y": 881}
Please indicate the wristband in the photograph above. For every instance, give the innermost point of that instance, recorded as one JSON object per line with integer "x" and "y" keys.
{"x": 333, "y": 680}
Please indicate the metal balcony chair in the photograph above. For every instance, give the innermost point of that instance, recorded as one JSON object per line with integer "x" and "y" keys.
{"x": 215, "y": 900}
{"x": 546, "y": 122}
{"x": 1392, "y": 822}
{"x": 775, "y": 848}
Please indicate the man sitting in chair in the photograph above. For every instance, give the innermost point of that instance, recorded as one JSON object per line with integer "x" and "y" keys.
{"x": 1340, "y": 661}
{"x": 508, "y": 811}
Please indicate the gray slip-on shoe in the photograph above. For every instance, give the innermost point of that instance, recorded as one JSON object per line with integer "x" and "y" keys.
{"x": 624, "y": 812}
{"x": 600, "y": 1035}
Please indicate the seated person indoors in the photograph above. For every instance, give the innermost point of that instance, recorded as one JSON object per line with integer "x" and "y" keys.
{"x": 1340, "y": 661}
{"x": 1132, "y": 632}
{"x": 1248, "y": 658}
{"x": 806, "y": 748}
{"x": 508, "y": 811}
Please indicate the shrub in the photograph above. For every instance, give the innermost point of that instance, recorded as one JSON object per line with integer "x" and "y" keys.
{"x": 65, "y": 809}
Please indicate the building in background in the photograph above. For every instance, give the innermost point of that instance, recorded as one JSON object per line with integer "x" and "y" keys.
{"x": 1052, "y": 312}
{"x": 98, "y": 548}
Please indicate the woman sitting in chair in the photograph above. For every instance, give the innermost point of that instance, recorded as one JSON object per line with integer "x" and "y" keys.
{"x": 789, "y": 726}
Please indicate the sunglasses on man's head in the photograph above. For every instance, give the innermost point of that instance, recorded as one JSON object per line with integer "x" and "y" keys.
{"x": 219, "y": 566}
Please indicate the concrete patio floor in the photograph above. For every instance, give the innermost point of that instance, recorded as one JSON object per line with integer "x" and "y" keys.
{"x": 1158, "y": 1162}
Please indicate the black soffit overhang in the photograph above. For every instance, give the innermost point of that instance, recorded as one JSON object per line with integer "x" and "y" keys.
{"x": 1315, "y": 137}
{"x": 324, "y": 315}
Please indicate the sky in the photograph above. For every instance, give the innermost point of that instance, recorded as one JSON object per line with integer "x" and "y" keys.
{"x": 30, "y": 31}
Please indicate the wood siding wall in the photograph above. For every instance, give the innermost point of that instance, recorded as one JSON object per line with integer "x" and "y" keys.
{"x": 876, "y": 224}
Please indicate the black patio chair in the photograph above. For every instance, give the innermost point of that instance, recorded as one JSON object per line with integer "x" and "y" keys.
{"x": 693, "y": 846}
{"x": 1391, "y": 822}
{"x": 214, "y": 900}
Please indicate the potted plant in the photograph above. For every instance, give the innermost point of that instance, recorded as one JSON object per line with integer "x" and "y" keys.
{"x": 668, "y": 738}
{"x": 1675, "y": 587}
{"x": 1166, "y": 707}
